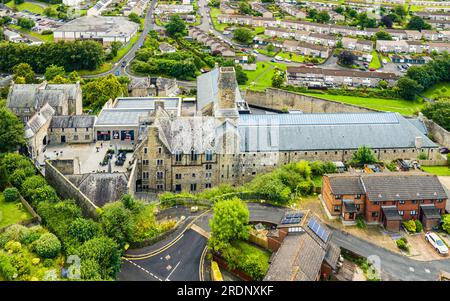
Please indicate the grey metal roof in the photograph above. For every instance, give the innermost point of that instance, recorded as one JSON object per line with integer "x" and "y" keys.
{"x": 287, "y": 132}
{"x": 117, "y": 117}
{"x": 77, "y": 121}
{"x": 146, "y": 102}
{"x": 110, "y": 26}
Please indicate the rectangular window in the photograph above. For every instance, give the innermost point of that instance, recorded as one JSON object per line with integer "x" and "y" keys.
{"x": 375, "y": 214}
{"x": 145, "y": 150}
{"x": 145, "y": 162}
{"x": 159, "y": 175}
{"x": 178, "y": 156}
{"x": 208, "y": 185}
{"x": 358, "y": 196}
{"x": 159, "y": 150}
{"x": 376, "y": 203}
{"x": 178, "y": 188}
{"x": 159, "y": 162}
{"x": 193, "y": 187}
{"x": 337, "y": 208}
{"x": 178, "y": 176}
{"x": 87, "y": 137}
{"x": 159, "y": 187}
{"x": 209, "y": 155}
{"x": 400, "y": 212}
{"x": 208, "y": 166}
{"x": 75, "y": 137}
{"x": 413, "y": 212}
{"x": 145, "y": 175}
{"x": 402, "y": 202}
{"x": 338, "y": 196}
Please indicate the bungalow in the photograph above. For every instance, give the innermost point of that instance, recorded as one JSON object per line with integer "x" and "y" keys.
{"x": 319, "y": 77}
{"x": 385, "y": 198}
{"x": 166, "y": 48}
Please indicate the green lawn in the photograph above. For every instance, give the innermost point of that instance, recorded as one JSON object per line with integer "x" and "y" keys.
{"x": 11, "y": 213}
{"x": 375, "y": 63}
{"x": 261, "y": 78}
{"x": 401, "y": 106}
{"x": 437, "y": 170}
{"x": 122, "y": 51}
{"x": 248, "y": 249}
{"x": 441, "y": 89}
{"x": 26, "y": 6}
{"x": 103, "y": 68}
{"x": 218, "y": 26}
{"x": 45, "y": 38}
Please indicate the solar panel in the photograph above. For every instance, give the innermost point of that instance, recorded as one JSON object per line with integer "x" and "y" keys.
{"x": 318, "y": 229}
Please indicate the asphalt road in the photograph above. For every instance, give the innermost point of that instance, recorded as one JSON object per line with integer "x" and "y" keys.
{"x": 394, "y": 266}
{"x": 180, "y": 262}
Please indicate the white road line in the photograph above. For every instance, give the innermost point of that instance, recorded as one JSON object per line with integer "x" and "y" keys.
{"x": 411, "y": 269}
{"x": 146, "y": 271}
{"x": 173, "y": 270}
{"x": 427, "y": 271}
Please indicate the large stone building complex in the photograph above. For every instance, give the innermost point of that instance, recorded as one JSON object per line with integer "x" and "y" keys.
{"x": 222, "y": 143}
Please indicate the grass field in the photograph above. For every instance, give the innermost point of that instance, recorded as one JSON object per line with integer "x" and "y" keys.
{"x": 375, "y": 63}
{"x": 45, "y": 38}
{"x": 103, "y": 68}
{"x": 401, "y": 106}
{"x": 218, "y": 26}
{"x": 261, "y": 78}
{"x": 437, "y": 170}
{"x": 11, "y": 213}
{"x": 441, "y": 89}
{"x": 36, "y": 9}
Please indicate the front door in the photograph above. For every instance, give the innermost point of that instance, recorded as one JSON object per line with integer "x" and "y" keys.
{"x": 63, "y": 139}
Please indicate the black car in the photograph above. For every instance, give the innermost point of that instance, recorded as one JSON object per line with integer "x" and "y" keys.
{"x": 444, "y": 150}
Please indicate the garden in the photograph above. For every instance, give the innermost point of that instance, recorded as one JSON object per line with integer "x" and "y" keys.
{"x": 11, "y": 209}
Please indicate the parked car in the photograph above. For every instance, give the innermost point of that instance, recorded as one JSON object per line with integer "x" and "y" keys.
{"x": 372, "y": 69}
{"x": 444, "y": 150}
{"x": 437, "y": 243}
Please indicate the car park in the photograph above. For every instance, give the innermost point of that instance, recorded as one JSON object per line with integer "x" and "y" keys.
{"x": 436, "y": 242}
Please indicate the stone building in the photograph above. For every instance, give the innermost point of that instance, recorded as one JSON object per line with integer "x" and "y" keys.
{"x": 223, "y": 143}
{"x": 25, "y": 100}
{"x": 153, "y": 86}
{"x": 36, "y": 130}
{"x": 72, "y": 129}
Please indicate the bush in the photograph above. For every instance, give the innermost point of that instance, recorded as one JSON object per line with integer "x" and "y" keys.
{"x": 419, "y": 226}
{"x": 423, "y": 156}
{"x": 13, "y": 246}
{"x": 402, "y": 244}
{"x": 360, "y": 222}
{"x": 45, "y": 193}
{"x": 31, "y": 184}
{"x": 7, "y": 270}
{"x": 410, "y": 226}
{"x": 305, "y": 187}
{"x": 11, "y": 194}
{"x": 47, "y": 246}
{"x": 13, "y": 232}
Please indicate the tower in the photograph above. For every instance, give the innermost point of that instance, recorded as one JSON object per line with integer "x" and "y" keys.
{"x": 226, "y": 107}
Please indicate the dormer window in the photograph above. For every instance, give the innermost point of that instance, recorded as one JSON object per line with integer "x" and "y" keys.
{"x": 194, "y": 155}
{"x": 178, "y": 156}
{"x": 209, "y": 155}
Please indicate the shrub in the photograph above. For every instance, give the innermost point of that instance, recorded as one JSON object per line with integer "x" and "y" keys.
{"x": 13, "y": 246}
{"x": 305, "y": 187}
{"x": 11, "y": 194}
{"x": 360, "y": 223}
{"x": 13, "y": 232}
{"x": 83, "y": 229}
{"x": 45, "y": 193}
{"x": 401, "y": 244}
{"x": 7, "y": 270}
{"x": 410, "y": 226}
{"x": 47, "y": 246}
{"x": 30, "y": 235}
{"x": 423, "y": 156}
{"x": 419, "y": 226}
{"x": 31, "y": 184}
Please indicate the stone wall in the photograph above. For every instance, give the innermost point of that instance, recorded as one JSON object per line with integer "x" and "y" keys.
{"x": 67, "y": 190}
{"x": 280, "y": 99}
{"x": 66, "y": 167}
{"x": 439, "y": 134}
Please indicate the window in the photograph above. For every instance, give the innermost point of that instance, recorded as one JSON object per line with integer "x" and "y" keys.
{"x": 87, "y": 137}
{"x": 159, "y": 162}
{"x": 159, "y": 175}
{"x": 440, "y": 200}
{"x": 145, "y": 187}
{"x": 159, "y": 150}
{"x": 358, "y": 207}
{"x": 413, "y": 212}
{"x": 75, "y": 130}
{"x": 194, "y": 155}
{"x": 178, "y": 187}
{"x": 358, "y": 196}
{"x": 402, "y": 202}
{"x": 75, "y": 137}
{"x": 178, "y": 176}
{"x": 209, "y": 155}
{"x": 375, "y": 214}
{"x": 145, "y": 175}
{"x": 376, "y": 203}
{"x": 87, "y": 129}
{"x": 193, "y": 175}
{"x": 193, "y": 187}
{"x": 401, "y": 212}
{"x": 145, "y": 150}
{"x": 159, "y": 187}
{"x": 62, "y": 130}
{"x": 208, "y": 166}
{"x": 338, "y": 196}
{"x": 414, "y": 202}
{"x": 178, "y": 156}
{"x": 208, "y": 175}
{"x": 208, "y": 185}
{"x": 337, "y": 208}
{"x": 144, "y": 162}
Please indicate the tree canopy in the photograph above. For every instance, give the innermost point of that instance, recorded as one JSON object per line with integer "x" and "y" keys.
{"x": 364, "y": 155}
{"x": 175, "y": 26}
{"x": 243, "y": 35}
{"x": 11, "y": 131}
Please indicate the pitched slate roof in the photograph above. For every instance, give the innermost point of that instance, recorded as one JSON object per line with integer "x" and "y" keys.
{"x": 430, "y": 211}
{"x": 346, "y": 185}
{"x": 391, "y": 213}
{"x": 340, "y": 131}
{"x": 77, "y": 121}
{"x": 38, "y": 120}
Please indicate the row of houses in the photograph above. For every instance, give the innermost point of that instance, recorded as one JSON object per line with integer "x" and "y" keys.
{"x": 302, "y": 35}
{"x": 437, "y": 16}
{"x": 174, "y": 9}
{"x": 216, "y": 45}
{"x": 412, "y": 46}
{"x": 135, "y": 6}
{"x": 305, "y": 48}
{"x": 320, "y": 77}
{"x": 258, "y": 7}
{"x": 288, "y": 27}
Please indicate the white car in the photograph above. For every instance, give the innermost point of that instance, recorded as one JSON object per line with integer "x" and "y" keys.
{"x": 437, "y": 243}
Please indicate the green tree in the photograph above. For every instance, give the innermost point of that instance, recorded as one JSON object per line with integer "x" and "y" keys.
{"x": 176, "y": 26}
{"x": 322, "y": 17}
{"x": 133, "y": 17}
{"x": 74, "y": 77}
{"x": 400, "y": 11}
{"x": 50, "y": 12}
{"x": 364, "y": 155}
{"x": 83, "y": 229}
{"x": 278, "y": 79}
{"x": 346, "y": 58}
{"x": 44, "y": 193}
{"x": 439, "y": 112}
{"x": 97, "y": 92}
{"x": 243, "y": 35}
{"x": 408, "y": 88}
{"x": 230, "y": 222}
{"x": 52, "y": 71}
{"x": 117, "y": 221}
{"x": 383, "y": 35}
{"x": 31, "y": 184}
{"x": 386, "y": 21}
{"x": 11, "y": 131}
{"x": 26, "y": 23}
{"x": 23, "y": 70}
{"x": 245, "y": 8}
{"x": 417, "y": 23}
{"x": 446, "y": 223}
{"x": 312, "y": 13}
{"x": 270, "y": 48}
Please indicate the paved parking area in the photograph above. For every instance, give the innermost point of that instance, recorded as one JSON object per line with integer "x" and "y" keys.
{"x": 420, "y": 249}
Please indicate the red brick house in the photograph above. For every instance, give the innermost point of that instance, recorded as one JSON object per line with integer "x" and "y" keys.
{"x": 385, "y": 198}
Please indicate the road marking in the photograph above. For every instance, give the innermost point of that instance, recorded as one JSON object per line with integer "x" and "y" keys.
{"x": 200, "y": 231}
{"x": 201, "y": 275}
{"x": 173, "y": 270}
{"x": 411, "y": 269}
{"x": 146, "y": 271}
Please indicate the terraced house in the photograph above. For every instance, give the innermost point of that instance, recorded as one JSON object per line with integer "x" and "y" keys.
{"x": 385, "y": 198}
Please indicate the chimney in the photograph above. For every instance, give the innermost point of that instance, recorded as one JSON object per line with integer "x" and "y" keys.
{"x": 227, "y": 88}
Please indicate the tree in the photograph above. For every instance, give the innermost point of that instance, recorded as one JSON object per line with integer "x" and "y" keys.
{"x": 23, "y": 70}
{"x": 339, "y": 44}
{"x": 31, "y": 184}
{"x": 230, "y": 222}
{"x": 116, "y": 221}
{"x": 26, "y": 23}
{"x": 83, "y": 229}
{"x": 439, "y": 112}
{"x": 270, "y": 48}
{"x": 11, "y": 194}
{"x": 133, "y": 17}
{"x": 50, "y": 12}
{"x": 241, "y": 76}
{"x": 47, "y": 246}
{"x": 44, "y": 193}
{"x": 11, "y": 131}
{"x": 97, "y": 92}
{"x": 387, "y": 21}
{"x": 346, "y": 58}
{"x": 322, "y": 17}
{"x": 400, "y": 11}
{"x": 446, "y": 223}
{"x": 52, "y": 71}
{"x": 383, "y": 35}
{"x": 243, "y": 35}
{"x": 408, "y": 88}
{"x": 365, "y": 21}
{"x": 245, "y": 8}
{"x": 74, "y": 77}
{"x": 312, "y": 13}
{"x": 278, "y": 79}
{"x": 417, "y": 23}
{"x": 364, "y": 155}
{"x": 115, "y": 46}
{"x": 176, "y": 26}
